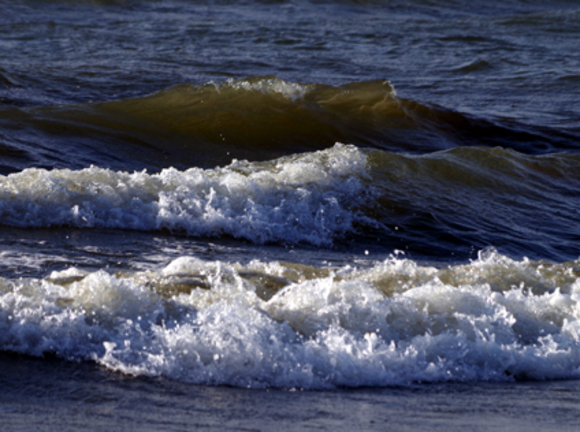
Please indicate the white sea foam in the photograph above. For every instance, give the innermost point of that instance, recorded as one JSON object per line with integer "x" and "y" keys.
{"x": 305, "y": 198}
{"x": 210, "y": 323}
{"x": 289, "y": 90}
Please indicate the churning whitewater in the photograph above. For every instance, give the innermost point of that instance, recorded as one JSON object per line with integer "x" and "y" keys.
{"x": 305, "y": 198}
{"x": 276, "y": 324}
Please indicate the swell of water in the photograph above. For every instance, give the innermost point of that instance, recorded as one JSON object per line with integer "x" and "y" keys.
{"x": 256, "y": 119}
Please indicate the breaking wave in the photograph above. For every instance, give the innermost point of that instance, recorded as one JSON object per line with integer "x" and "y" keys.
{"x": 275, "y": 324}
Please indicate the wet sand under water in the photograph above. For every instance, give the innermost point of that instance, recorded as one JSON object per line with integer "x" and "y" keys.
{"x": 49, "y": 394}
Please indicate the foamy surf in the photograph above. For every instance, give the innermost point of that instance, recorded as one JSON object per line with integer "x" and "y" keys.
{"x": 275, "y": 324}
{"x": 307, "y": 198}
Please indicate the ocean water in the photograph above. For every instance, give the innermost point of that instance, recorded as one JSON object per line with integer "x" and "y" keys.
{"x": 291, "y": 214}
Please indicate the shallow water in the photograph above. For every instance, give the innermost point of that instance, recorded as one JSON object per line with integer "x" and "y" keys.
{"x": 49, "y": 394}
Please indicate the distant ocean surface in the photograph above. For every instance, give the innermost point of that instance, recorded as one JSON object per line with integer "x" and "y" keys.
{"x": 289, "y": 214}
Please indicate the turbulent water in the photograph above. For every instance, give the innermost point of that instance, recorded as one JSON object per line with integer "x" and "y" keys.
{"x": 292, "y": 194}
